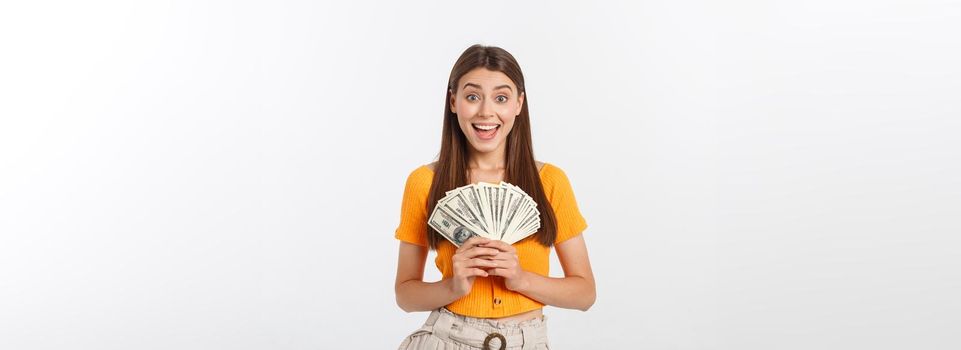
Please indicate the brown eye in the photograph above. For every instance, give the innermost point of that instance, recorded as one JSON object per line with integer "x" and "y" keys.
{"x": 504, "y": 100}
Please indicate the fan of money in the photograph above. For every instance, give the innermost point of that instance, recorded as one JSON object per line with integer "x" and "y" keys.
{"x": 496, "y": 211}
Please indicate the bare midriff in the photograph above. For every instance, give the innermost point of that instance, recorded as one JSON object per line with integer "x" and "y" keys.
{"x": 524, "y": 316}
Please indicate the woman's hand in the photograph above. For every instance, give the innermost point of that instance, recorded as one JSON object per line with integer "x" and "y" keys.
{"x": 469, "y": 261}
{"x": 507, "y": 265}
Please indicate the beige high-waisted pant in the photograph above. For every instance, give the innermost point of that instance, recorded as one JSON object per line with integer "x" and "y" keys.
{"x": 447, "y": 331}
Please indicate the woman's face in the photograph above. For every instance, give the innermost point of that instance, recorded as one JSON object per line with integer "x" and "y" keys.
{"x": 486, "y": 104}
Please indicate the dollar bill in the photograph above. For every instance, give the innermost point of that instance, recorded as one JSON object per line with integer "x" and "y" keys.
{"x": 455, "y": 231}
{"x": 499, "y": 211}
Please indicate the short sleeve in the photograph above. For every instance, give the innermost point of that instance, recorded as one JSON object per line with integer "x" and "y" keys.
{"x": 413, "y": 207}
{"x": 570, "y": 222}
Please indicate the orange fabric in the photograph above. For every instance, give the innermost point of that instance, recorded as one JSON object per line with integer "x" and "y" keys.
{"x": 489, "y": 297}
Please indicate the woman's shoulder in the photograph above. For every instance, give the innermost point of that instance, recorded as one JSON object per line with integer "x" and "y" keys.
{"x": 424, "y": 169}
{"x": 553, "y": 175}
{"x": 421, "y": 176}
{"x": 549, "y": 170}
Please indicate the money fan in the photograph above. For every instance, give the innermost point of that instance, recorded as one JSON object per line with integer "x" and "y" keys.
{"x": 496, "y": 211}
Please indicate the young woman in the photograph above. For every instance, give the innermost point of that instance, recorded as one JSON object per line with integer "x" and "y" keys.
{"x": 492, "y": 293}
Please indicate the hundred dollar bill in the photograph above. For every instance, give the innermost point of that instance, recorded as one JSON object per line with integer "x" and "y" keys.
{"x": 455, "y": 232}
{"x": 459, "y": 207}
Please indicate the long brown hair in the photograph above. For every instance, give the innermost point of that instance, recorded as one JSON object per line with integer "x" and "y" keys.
{"x": 519, "y": 168}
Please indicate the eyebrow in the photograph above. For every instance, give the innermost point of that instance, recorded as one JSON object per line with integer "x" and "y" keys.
{"x": 499, "y": 87}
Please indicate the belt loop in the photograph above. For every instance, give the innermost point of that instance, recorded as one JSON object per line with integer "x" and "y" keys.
{"x": 432, "y": 318}
{"x": 442, "y": 325}
{"x": 532, "y": 333}
{"x": 528, "y": 334}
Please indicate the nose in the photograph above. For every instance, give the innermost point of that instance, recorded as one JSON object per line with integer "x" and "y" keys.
{"x": 487, "y": 108}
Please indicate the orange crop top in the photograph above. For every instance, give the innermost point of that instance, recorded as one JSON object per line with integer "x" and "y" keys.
{"x": 489, "y": 297}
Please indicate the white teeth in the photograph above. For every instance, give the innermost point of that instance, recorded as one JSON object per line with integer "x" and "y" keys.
{"x": 486, "y": 127}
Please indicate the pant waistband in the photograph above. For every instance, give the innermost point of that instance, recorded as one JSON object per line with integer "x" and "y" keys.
{"x": 472, "y": 331}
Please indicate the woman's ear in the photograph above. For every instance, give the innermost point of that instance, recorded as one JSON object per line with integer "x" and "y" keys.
{"x": 520, "y": 104}
{"x": 453, "y": 97}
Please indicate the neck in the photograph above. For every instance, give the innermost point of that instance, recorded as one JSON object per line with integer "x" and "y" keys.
{"x": 493, "y": 160}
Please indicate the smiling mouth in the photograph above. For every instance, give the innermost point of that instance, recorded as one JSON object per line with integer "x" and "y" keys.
{"x": 486, "y": 131}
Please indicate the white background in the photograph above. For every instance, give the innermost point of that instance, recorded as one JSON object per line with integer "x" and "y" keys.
{"x": 228, "y": 174}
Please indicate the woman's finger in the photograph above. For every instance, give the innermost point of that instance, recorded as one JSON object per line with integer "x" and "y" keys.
{"x": 499, "y": 271}
{"x": 472, "y": 242}
{"x": 479, "y": 251}
{"x": 478, "y": 262}
{"x": 474, "y": 272}
{"x": 505, "y": 264}
{"x": 500, "y": 245}
{"x": 502, "y": 256}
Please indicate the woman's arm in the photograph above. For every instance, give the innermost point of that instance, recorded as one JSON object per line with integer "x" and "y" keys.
{"x": 413, "y": 294}
{"x": 573, "y": 291}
